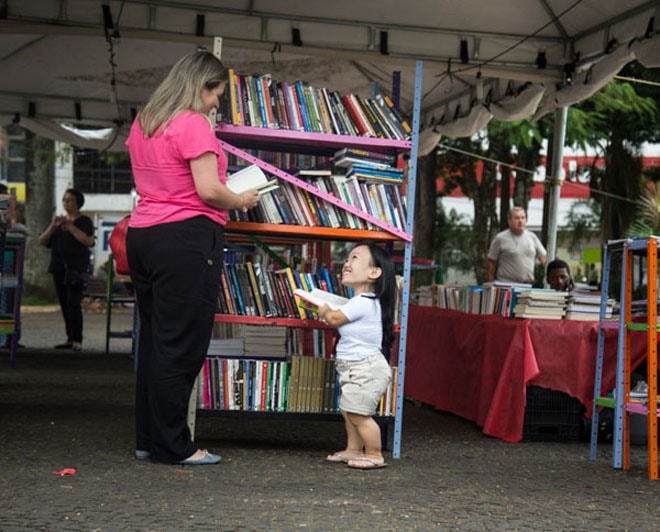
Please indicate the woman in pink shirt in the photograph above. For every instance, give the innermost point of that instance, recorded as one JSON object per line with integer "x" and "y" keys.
{"x": 175, "y": 249}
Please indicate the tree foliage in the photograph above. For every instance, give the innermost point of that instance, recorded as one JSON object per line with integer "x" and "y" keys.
{"x": 617, "y": 121}
{"x": 614, "y": 123}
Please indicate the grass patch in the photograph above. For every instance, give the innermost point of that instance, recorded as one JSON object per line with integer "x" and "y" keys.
{"x": 35, "y": 301}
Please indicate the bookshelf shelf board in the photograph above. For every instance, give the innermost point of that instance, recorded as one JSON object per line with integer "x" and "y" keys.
{"x": 302, "y": 416}
{"x": 270, "y": 322}
{"x": 306, "y": 232}
{"x": 298, "y": 139}
{"x": 277, "y": 322}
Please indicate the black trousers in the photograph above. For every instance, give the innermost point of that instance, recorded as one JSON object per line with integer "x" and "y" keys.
{"x": 70, "y": 297}
{"x": 175, "y": 269}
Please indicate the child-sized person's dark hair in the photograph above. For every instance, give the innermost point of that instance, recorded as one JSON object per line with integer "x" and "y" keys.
{"x": 385, "y": 290}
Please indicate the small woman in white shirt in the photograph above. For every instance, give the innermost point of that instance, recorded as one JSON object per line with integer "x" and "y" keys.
{"x": 366, "y": 328}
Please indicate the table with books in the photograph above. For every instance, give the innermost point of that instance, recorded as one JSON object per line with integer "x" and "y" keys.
{"x": 479, "y": 366}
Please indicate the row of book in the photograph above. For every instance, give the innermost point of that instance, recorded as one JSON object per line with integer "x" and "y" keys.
{"x": 250, "y": 290}
{"x": 293, "y": 205}
{"x": 283, "y": 160}
{"x": 302, "y": 384}
{"x": 465, "y": 298}
{"x": 301, "y": 256}
{"x": 260, "y": 101}
{"x": 512, "y": 301}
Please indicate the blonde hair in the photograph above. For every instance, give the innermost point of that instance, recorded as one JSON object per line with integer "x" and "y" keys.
{"x": 181, "y": 90}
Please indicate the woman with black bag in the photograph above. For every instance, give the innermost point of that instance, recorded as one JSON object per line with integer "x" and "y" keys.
{"x": 69, "y": 238}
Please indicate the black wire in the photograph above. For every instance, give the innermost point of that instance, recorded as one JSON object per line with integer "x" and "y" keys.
{"x": 524, "y": 39}
{"x": 121, "y": 8}
{"x": 113, "y": 79}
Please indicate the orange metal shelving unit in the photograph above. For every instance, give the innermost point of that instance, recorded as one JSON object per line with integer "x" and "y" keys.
{"x": 647, "y": 247}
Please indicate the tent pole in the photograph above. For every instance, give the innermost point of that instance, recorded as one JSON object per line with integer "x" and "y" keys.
{"x": 557, "y": 159}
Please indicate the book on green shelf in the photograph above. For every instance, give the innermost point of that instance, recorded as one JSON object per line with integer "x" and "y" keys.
{"x": 250, "y": 178}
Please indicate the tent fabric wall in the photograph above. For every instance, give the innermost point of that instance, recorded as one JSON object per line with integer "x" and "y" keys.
{"x": 113, "y": 139}
{"x": 646, "y": 51}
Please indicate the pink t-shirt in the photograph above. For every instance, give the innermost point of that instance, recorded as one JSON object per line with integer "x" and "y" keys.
{"x": 161, "y": 169}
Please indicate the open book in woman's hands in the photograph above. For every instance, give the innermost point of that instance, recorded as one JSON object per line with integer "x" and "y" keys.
{"x": 317, "y": 298}
{"x": 250, "y": 178}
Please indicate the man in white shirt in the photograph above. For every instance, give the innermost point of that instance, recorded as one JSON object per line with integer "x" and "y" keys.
{"x": 512, "y": 252}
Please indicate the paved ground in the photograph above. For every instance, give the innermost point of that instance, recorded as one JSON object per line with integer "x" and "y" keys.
{"x": 63, "y": 410}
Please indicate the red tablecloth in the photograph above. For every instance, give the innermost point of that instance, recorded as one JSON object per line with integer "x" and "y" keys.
{"x": 478, "y": 367}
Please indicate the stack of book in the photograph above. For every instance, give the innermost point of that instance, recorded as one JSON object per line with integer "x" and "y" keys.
{"x": 227, "y": 347}
{"x": 585, "y": 306}
{"x": 264, "y": 341}
{"x": 539, "y": 303}
{"x": 369, "y": 162}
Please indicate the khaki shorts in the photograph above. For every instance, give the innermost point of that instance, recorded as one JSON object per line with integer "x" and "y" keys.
{"x": 363, "y": 382}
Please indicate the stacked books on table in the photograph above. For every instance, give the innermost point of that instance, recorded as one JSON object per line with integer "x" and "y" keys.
{"x": 585, "y": 306}
{"x": 517, "y": 300}
{"x": 540, "y": 303}
{"x": 491, "y": 298}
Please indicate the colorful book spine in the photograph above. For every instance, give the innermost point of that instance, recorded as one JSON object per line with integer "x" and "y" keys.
{"x": 310, "y": 105}
{"x": 295, "y": 117}
{"x": 233, "y": 95}
{"x": 355, "y": 118}
{"x": 261, "y": 103}
{"x": 397, "y": 114}
{"x": 255, "y": 111}
{"x": 363, "y": 107}
{"x": 343, "y": 114}
{"x": 300, "y": 95}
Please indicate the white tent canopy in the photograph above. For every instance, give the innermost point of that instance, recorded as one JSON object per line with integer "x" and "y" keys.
{"x": 94, "y": 63}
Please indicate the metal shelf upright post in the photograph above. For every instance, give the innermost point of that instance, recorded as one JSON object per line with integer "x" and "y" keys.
{"x": 599, "y": 401}
{"x": 623, "y": 408}
{"x": 622, "y": 404}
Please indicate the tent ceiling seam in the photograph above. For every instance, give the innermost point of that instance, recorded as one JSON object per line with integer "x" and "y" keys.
{"x": 517, "y": 70}
{"x": 615, "y": 20}
{"x": 560, "y": 27}
{"x": 302, "y": 18}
